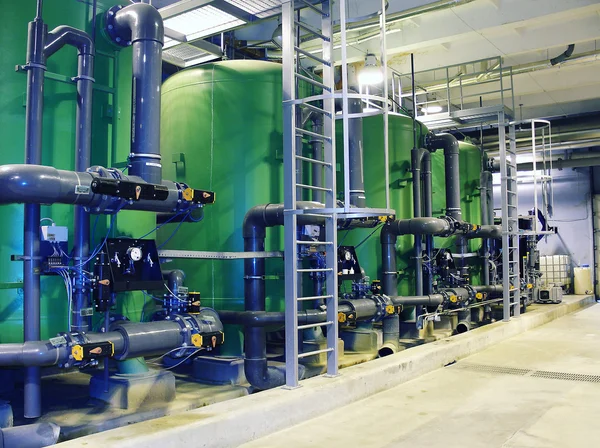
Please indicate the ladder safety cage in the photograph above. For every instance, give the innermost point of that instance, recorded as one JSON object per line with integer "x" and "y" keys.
{"x": 310, "y": 114}
{"x": 511, "y": 282}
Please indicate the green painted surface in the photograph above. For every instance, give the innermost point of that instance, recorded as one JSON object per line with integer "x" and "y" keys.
{"x": 221, "y": 130}
{"x": 58, "y": 141}
{"x": 400, "y": 145}
{"x": 470, "y": 169}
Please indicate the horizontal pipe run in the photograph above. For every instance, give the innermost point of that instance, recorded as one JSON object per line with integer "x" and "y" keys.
{"x": 38, "y": 184}
{"x": 430, "y": 300}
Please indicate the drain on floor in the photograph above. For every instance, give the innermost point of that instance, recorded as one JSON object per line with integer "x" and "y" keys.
{"x": 565, "y": 376}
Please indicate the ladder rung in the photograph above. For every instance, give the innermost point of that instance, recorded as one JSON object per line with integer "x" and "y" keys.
{"x": 309, "y": 160}
{"x": 305, "y": 299}
{"x": 308, "y": 54}
{"x": 311, "y": 30}
{"x": 315, "y": 109}
{"x": 315, "y": 352}
{"x": 315, "y": 243}
{"x": 320, "y": 324}
{"x": 315, "y": 270}
{"x": 314, "y": 82}
{"x": 312, "y": 187}
{"x": 313, "y": 134}
{"x": 314, "y": 8}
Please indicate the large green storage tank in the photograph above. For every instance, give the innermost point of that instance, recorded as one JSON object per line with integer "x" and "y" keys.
{"x": 221, "y": 130}
{"x": 110, "y": 141}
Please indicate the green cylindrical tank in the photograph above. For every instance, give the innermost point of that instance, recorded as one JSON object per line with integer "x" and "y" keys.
{"x": 400, "y": 144}
{"x": 470, "y": 199}
{"x": 110, "y": 137}
{"x": 221, "y": 130}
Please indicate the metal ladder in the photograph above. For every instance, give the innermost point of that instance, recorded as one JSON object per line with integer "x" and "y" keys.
{"x": 295, "y": 106}
{"x": 511, "y": 281}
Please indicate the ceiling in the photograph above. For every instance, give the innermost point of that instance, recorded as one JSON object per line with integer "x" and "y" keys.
{"x": 525, "y": 33}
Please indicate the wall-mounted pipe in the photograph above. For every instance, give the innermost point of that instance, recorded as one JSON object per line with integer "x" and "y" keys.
{"x": 141, "y": 26}
{"x": 563, "y": 56}
{"x": 355, "y": 151}
{"x": 449, "y": 145}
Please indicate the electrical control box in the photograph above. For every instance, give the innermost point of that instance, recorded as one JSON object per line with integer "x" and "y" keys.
{"x": 133, "y": 264}
{"x": 54, "y": 245}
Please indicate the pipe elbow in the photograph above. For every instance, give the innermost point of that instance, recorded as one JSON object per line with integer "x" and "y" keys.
{"x": 138, "y": 21}
{"x": 67, "y": 35}
{"x": 262, "y": 376}
{"x": 259, "y": 217}
{"x": 387, "y": 235}
{"x": 446, "y": 142}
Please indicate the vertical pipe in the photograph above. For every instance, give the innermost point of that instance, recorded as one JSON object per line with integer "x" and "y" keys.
{"x": 388, "y": 262}
{"x": 145, "y": 157}
{"x": 417, "y": 212}
{"x": 31, "y": 238}
{"x": 427, "y": 212}
{"x": 83, "y": 139}
{"x": 317, "y": 169}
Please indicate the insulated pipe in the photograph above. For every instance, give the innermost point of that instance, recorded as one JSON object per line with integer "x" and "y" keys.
{"x": 141, "y": 26}
{"x": 34, "y": 108}
{"x": 355, "y": 151}
{"x": 36, "y": 435}
{"x": 55, "y": 40}
{"x": 449, "y": 145}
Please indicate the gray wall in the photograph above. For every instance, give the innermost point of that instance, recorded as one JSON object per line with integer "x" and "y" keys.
{"x": 572, "y": 213}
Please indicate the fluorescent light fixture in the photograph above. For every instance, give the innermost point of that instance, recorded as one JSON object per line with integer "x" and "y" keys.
{"x": 202, "y": 22}
{"x": 433, "y": 109}
{"x": 371, "y": 73}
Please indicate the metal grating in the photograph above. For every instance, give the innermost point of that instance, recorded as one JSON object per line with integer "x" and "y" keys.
{"x": 259, "y": 8}
{"x": 202, "y": 22}
{"x": 185, "y": 52}
{"x": 564, "y": 376}
{"x": 493, "y": 369}
{"x": 580, "y": 377}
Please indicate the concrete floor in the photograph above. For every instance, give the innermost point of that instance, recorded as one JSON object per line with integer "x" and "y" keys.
{"x": 517, "y": 394}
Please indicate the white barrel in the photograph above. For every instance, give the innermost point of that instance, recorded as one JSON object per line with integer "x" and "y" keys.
{"x": 583, "y": 280}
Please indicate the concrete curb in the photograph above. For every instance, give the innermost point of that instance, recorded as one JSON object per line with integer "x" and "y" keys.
{"x": 231, "y": 423}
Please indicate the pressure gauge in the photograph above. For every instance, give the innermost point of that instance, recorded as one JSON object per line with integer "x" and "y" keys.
{"x": 347, "y": 255}
{"x": 134, "y": 253}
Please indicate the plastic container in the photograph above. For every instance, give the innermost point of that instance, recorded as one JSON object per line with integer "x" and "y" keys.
{"x": 583, "y": 280}
{"x": 556, "y": 269}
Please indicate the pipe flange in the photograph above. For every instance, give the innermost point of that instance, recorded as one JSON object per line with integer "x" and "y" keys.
{"x": 111, "y": 28}
{"x": 385, "y": 307}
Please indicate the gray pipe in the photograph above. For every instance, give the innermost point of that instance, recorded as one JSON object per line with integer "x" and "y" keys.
{"x": 391, "y": 335}
{"x": 488, "y": 231}
{"x": 449, "y": 145}
{"x": 141, "y": 26}
{"x": 56, "y": 39}
{"x": 388, "y": 237}
{"x": 484, "y": 195}
{"x": 36, "y": 435}
{"x": 175, "y": 279}
{"x": 355, "y": 151}
{"x": 36, "y": 66}
{"x": 130, "y": 340}
{"x": 317, "y": 169}
{"x": 427, "y": 210}
{"x": 430, "y": 300}
{"x": 37, "y": 184}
